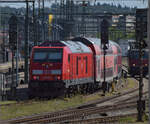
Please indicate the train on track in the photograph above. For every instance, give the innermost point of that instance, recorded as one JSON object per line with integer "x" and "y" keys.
{"x": 134, "y": 62}
{"x": 62, "y": 67}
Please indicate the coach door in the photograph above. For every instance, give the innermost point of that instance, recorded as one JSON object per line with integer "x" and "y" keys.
{"x": 80, "y": 67}
{"x": 98, "y": 68}
{"x": 70, "y": 61}
{"x": 115, "y": 64}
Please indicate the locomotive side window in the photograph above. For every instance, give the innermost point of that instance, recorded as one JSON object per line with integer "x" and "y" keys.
{"x": 77, "y": 65}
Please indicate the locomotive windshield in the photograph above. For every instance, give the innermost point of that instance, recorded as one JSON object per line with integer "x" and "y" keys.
{"x": 47, "y": 55}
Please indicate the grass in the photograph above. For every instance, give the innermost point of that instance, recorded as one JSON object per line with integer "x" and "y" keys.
{"x": 131, "y": 120}
{"x": 131, "y": 83}
{"x": 13, "y": 111}
{"x": 127, "y": 120}
{"x": 39, "y": 107}
{"x": 124, "y": 60}
{"x": 7, "y": 102}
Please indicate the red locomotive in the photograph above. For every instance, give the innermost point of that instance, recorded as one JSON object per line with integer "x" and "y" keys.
{"x": 75, "y": 65}
{"x": 135, "y": 63}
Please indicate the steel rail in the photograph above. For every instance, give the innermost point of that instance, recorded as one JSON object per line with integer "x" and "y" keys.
{"x": 63, "y": 112}
{"x": 101, "y": 119}
{"x": 132, "y": 98}
{"x": 85, "y": 112}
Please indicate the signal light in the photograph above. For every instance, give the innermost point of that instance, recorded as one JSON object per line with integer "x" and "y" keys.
{"x": 104, "y": 31}
{"x": 13, "y": 32}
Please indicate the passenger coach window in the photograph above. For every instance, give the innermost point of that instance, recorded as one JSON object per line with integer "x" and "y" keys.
{"x": 98, "y": 66}
{"x": 68, "y": 58}
{"x": 86, "y": 63}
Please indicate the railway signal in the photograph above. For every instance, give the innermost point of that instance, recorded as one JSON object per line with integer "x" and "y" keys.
{"x": 141, "y": 23}
{"x": 104, "y": 41}
{"x": 143, "y": 44}
{"x": 13, "y": 32}
{"x": 104, "y": 31}
{"x": 141, "y": 33}
{"x": 13, "y": 45}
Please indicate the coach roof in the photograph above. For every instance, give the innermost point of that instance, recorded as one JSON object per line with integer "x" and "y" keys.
{"x": 77, "y": 47}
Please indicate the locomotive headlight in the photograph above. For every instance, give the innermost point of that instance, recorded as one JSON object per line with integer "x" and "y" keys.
{"x": 36, "y": 77}
{"x": 133, "y": 64}
{"x": 145, "y": 64}
{"x": 58, "y": 77}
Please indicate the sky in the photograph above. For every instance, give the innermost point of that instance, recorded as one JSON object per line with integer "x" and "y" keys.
{"x": 128, "y": 3}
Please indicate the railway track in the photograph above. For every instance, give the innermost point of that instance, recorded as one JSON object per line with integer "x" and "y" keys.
{"x": 80, "y": 115}
{"x": 74, "y": 114}
{"x": 83, "y": 113}
{"x": 125, "y": 68}
{"x": 133, "y": 98}
{"x": 99, "y": 120}
{"x": 79, "y": 110}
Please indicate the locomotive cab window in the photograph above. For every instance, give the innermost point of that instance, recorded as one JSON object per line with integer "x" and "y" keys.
{"x": 54, "y": 56}
{"x": 47, "y": 55}
{"x": 40, "y": 56}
